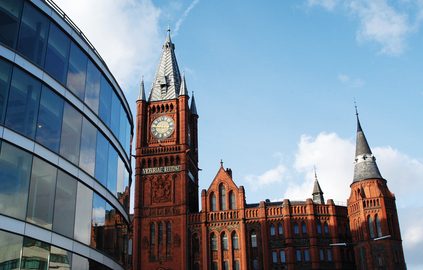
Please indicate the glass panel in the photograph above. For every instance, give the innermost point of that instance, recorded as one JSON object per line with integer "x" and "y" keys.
{"x": 224, "y": 241}
{"x": 15, "y": 169}
{"x": 120, "y": 188}
{"x": 122, "y": 128}
{"x": 64, "y": 204}
{"x": 127, "y": 144}
{"x": 34, "y": 254}
{"x": 115, "y": 115}
{"x": 57, "y": 53}
{"x": 88, "y": 145}
{"x": 71, "y": 134}
{"x": 32, "y": 41}
{"x": 253, "y": 239}
{"x": 298, "y": 255}
{"x": 282, "y": 255}
{"x": 49, "y": 119}
{"x": 10, "y": 250}
{"x": 83, "y": 211}
{"x": 92, "y": 87}
{"x": 101, "y": 159}
{"x": 41, "y": 193}
{"x": 114, "y": 238}
{"x": 79, "y": 262}
{"x": 77, "y": 72}
{"x": 22, "y": 108}
{"x": 98, "y": 222}
{"x": 222, "y": 192}
{"x": 112, "y": 170}
{"x": 274, "y": 257}
{"x": 5, "y": 74}
{"x": 60, "y": 259}
{"x": 10, "y": 13}
{"x": 105, "y": 101}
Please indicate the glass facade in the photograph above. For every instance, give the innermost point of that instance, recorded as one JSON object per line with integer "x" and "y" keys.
{"x": 74, "y": 133}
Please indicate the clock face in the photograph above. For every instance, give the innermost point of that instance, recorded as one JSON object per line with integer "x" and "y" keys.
{"x": 162, "y": 127}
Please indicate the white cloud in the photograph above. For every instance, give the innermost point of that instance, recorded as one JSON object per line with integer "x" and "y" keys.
{"x": 184, "y": 15}
{"x": 274, "y": 175}
{"x": 125, "y": 32}
{"x": 350, "y": 82}
{"x": 326, "y": 4}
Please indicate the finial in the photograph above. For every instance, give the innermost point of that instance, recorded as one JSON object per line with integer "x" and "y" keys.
{"x": 315, "y": 173}
{"x": 355, "y": 106}
{"x": 168, "y": 28}
{"x": 221, "y": 163}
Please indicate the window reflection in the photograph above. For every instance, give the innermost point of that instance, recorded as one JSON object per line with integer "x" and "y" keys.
{"x": 71, "y": 134}
{"x": 34, "y": 254}
{"x": 5, "y": 74}
{"x": 105, "y": 101}
{"x": 84, "y": 198}
{"x": 10, "y": 250}
{"x": 10, "y": 11}
{"x": 101, "y": 159}
{"x": 41, "y": 193}
{"x": 92, "y": 87}
{"x": 23, "y": 102}
{"x": 97, "y": 222}
{"x": 60, "y": 259}
{"x": 50, "y": 118}
{"x": 64, "y": 204}
{"x": 32, "y": 39}
{"x": 57, "y": 54}
{"x": 88, "y": 144}
{"x": 112, "y": 168}
{"x": 77, "y": 71}
{"x": 15, "y": 169}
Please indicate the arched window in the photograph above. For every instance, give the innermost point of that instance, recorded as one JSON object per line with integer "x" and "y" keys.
{"x": 253, "y": 239}
{"x": 370, "y": 224}
{"x": 195, "y": 244}
{"x": 222, "y": 198}
{"x": 280, "y": 229}
{"x": 303, "y": 228}
{"x": 213, "y": 242}
{"x": 224, "y": 239}
{"x": 282, "y": 256}
{"x": 319, "y": 227}
{"x": 160, "y": 234}
{"x": 272, "y": 230}
{"x": 296, "y": 229}
{"x": 378, "y": 226}
{"x": 213, "y": 202}
{"x": 232, "y": 202}
{"x": 152, "y": 234}
{"x": 235, "y": 242}
{"x": 168, "y": 238}
{"x": 326, "y": 228}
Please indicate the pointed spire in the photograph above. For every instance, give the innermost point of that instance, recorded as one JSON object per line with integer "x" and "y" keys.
{"x": 317, "y": 191}
{"x": 141, "y": 95}
{"x": 193, "y": 106}
{"x": 183, "y": 91}
{"x": 167, "y": 82}
{"x": 365, "y": 163}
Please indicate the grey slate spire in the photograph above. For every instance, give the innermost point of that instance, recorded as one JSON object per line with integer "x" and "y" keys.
{"x": 183, "y": 91}
{"x": 167, "y": 82}
{"x": 141, "y": 95}
{"x": 317, "y": 191}
{"x": 365, "y": 163}
{"x": 193, "y": 106}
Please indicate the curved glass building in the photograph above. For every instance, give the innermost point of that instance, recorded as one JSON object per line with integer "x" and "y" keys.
{"x": 65, "y": 133}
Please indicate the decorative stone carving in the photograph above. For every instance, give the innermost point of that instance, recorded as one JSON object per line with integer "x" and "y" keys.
{"x": 161, "y": 189}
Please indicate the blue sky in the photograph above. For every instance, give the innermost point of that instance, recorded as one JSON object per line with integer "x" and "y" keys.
{"x": 275, "y": 83}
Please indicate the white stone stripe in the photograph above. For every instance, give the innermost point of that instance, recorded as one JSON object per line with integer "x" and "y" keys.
{"x": 25, "y": 229}
{"x": 39, "y": 150}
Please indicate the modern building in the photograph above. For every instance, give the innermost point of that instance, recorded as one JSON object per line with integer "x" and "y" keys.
{"x": 65, "y": 140}
{"x": 170, "y": 232}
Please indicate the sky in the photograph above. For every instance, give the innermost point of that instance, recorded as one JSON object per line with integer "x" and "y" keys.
{"x": 275, "y": 84}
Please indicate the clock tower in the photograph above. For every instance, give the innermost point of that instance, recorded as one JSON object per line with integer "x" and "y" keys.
{"x": 166, "y": 169}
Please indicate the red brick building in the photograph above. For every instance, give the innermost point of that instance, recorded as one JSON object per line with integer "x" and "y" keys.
{"x": 170, "y": 232}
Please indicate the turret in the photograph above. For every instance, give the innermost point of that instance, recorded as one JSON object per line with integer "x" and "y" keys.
{"x": 317, "y": 191}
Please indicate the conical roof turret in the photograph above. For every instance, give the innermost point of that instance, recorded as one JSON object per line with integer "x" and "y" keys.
{"x": 365, "y": 163}
{"x": 141, "y": 95}
{"x": 193, "y": 107}
{"x": 167, "y": 82}
{"x": 183, "y": 91}
{"x": 317, "y": 191}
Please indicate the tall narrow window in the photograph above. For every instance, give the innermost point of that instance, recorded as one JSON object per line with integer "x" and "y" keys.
{"x": 326, "y": 228}
{"x": 282, "y": 256}
{"x": 213, "y": 202}
{"x": 329, "y": 253}
{"x": 224, "y": 239}
{"x": 303, "y": 228}
{"x": 319, "y": 227}
{"x": 235, "y": 242}
{"x": 298, "y": 255}
{"x": 57, "y": 56}
{"x": 280, "y": 229}
{"x": 213, "y": 242}
{"x": 378, "y": 226}
{"x": 222, "y": 198}
{"x": 296, "y": 229}
{"x": 370, "y": 224}
{"x": 272, "y": 230}
{"x": 236, "y": 265}
{"x": 225, "y": 265}
{"x": 232, "y": 202}
{"x": 168, "y": 238}
{"x": 322, "y": 255}
{"x": 152, "y": 238}
{"x": 160, "y": 234}
{"x": 274, "y": 257}
{"x": 253, "y": 239}
{"x": 306, "y": 255}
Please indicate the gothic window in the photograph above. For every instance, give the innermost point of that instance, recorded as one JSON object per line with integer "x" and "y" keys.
{"x": 306, "y": 255}
{"x": 280, "y": 229}
{"x": 213, "y": 202}
{"x": 235, "y": 243}
{"x": 298, "y": 255}
{"x": 214, "y": 266}
{"x": 213, "y": 242}
{"x": 224, "y": 240}
{"x": 282, "y": 256}
{"x": 152, "y": 238}
{"x": 272, "y": 230}
{"x": 222, "y": 197}
{"x": 225, "y": 265}
{"x": 319, "y": 227}
{"x": 236, "y": 265}
{"x": 322, "y": 255}
{"x": 296, "y": 229}
{"x": 326, "y": 228}
{"x": 378, "y": 226}
{"x": 160, "y": 234}
{"x": 371, "y": 229}
{"x": 168, "y": 237}
{"x": 253, "y": 239}
{"x": 329, "y": 255}
{"x": 195, "y": 244}
{"x": 232, "y": 202}
{"x": 274, "y": 257}
{"x": 303, "y": 228}
{"x": 255, "y": 264}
